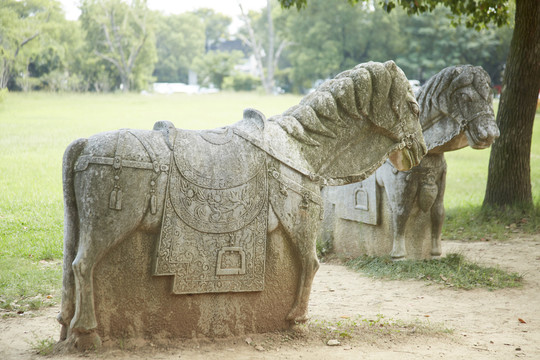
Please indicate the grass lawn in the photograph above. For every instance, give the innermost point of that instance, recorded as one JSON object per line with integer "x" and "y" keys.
{"x": 35, "y": 129}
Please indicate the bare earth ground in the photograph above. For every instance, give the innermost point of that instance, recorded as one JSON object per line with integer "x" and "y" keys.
{"x": 485, "y": 324}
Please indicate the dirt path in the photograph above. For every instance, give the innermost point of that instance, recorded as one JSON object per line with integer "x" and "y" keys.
{"x": 484, "y": 324}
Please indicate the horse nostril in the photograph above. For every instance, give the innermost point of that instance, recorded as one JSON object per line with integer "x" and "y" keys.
{"x": 482, "y": 134}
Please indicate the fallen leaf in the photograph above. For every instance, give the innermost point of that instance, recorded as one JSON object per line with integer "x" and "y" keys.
{"x": 522, "y": 321}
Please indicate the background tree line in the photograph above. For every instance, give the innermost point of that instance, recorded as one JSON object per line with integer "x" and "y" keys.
{"x": 123, "y": 45}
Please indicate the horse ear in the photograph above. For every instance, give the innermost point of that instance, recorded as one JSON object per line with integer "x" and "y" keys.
{"x": 256, "y": 117}
{"x": 462, "y": 78}
{"x": 391, "y": 66}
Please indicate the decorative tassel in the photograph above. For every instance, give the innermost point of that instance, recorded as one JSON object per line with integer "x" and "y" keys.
{"x": 112, "y": 200}
{"x": 153, "y": 204}
{"x": 118, "y": 200}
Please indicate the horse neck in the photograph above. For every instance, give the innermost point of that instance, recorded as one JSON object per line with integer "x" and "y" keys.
{"x": 438, "y": 127}
{"x": 352, "y": 155}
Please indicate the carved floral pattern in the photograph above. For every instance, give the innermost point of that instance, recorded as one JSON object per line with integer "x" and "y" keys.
{"x": 213, "y": 238}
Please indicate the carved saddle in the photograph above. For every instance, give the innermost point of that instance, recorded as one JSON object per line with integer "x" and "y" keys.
{"x": 213, "y": 237}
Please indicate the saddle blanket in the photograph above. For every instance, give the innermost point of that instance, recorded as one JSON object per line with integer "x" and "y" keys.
{"x": 213, "y": 236}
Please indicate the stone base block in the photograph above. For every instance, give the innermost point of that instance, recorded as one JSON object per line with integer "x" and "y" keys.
{"x": 131, "y": 303}
{"x": 351, "y": 239}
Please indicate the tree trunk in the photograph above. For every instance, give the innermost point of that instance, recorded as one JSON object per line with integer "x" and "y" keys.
{"x": 509, "y": 178}
{"x": 270, "y": 52}
{"x": 4, "y": 74}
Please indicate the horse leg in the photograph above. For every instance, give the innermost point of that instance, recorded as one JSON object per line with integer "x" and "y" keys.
{"x": 300, "y": 227}
{"x": 94, "y": 242}
{"x": 437, "y": 218}
{"x": 100, "y": 229}
{"x": 401, "y": 198}
{"x": 71, "y": 235}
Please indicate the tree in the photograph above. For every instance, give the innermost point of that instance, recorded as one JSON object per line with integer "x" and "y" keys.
{"x": 257, "y": 26}
{"x": 433, "y": 44}
{"x": 214, "y": 66}
{"x": 121, "y": 34}
{"x": 179, "y": 40}
{"x": 20, "y": 24}
{"x": 329, "y": 37}
{"x": 215, "y": 27}
{"x": 509, "y": 182}
{"x": 509, "y": 177}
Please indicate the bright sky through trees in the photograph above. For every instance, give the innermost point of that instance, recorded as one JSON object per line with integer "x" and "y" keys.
{"x": 228, "y": 7}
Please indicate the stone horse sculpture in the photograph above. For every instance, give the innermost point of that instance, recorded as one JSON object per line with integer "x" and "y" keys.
{"x": 217, "y": 194}
{"x": 456, "y": 110}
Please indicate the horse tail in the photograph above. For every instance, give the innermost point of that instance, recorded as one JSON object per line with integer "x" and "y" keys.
{"x": 71, "y": 230}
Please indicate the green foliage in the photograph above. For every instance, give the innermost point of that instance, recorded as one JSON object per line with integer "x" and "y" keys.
{"x": 215, "y": 26}
{"x": 122, "y": 35}
{"x": 433, "y": 44}
{"x": 214, "y": 66}
{"x": 21, "y": 24}
{"x": 452, "y": 270}
{"x": 476, "y": 13}
{"x": 331, "y": 36}
{"x": 241, "y": 82}
{"x": 325, "y": 40}
{"x": 179, "y": 40}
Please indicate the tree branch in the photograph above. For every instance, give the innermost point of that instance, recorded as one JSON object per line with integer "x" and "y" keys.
{"x": 108, "y": 58}
{"x": 255, "y": 46}
{"x": 280, "y": 49}
{"x": 24, "y": 42}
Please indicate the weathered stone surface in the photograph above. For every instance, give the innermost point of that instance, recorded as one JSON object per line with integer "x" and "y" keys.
{"x": 176, "y": 233}
{"x": 456, "y": 111}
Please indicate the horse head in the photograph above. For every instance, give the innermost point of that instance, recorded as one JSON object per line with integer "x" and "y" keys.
{"x": 463, "y": 95}
{"x": 394, "y": 110}
{"x": 370, "y": 106}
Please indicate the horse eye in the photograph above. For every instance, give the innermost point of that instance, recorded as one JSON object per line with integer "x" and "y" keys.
{"x": 414, "y": 107}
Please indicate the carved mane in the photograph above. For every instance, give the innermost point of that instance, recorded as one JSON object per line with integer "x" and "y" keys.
{"x": 361, "y": 93}
{"x": 328, "y": 119}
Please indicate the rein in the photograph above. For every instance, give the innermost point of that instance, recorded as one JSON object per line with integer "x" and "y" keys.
{"x": 462, "y": 124}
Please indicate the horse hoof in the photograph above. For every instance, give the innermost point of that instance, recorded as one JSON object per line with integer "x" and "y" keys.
{"x": 87, "y": 341}
{"x": 398, "y": 257}
{"x": 299, "y": 329}
{"x": 436, "y": 254}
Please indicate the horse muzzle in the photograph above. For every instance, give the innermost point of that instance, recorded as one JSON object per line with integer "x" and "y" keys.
{"x": 409, "y": 156}
{"x": 482, "y": 132}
